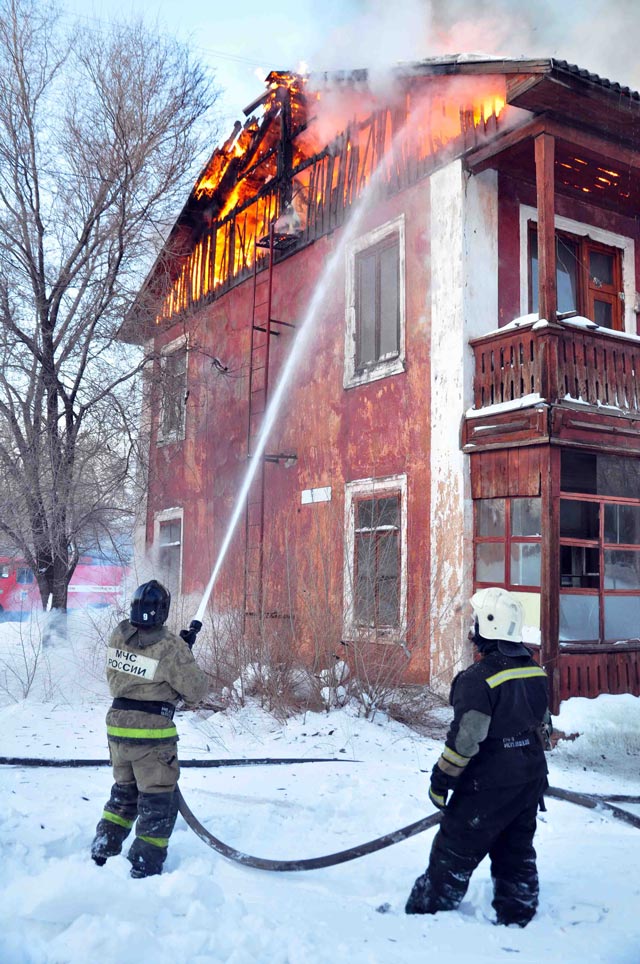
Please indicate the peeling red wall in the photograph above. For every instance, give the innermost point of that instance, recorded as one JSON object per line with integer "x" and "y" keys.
{"x": 376, "y": 430}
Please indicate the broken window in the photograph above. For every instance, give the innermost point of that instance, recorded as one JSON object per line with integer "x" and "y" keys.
{"x": 173, "y": 388}
{"x": 377, "y": 562}
{"x": 170, "y": 554}
{"x": 599, "y": 548}
{"x": 588, "y": 278}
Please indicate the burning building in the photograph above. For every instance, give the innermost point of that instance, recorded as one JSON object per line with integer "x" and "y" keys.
{"x": 445, "y": 275}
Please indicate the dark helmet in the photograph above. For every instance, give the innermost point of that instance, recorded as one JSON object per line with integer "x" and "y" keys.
{"x": 150, "y": 605}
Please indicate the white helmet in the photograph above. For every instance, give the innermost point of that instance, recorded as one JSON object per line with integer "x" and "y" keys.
{"x": 499, "y": 614}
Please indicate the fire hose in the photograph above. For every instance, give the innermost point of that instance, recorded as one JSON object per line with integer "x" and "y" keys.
{"x": 590, "y": 801}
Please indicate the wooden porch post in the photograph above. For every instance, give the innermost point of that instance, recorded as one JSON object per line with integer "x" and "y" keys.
{"x": 547, "y": 294}
{"x": 550, "y": 475}
{"x": 550, "y": 572}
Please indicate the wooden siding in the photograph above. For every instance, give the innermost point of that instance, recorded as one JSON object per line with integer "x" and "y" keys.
{"x": 589, "y": 674}
{"x": 505, "y": 472}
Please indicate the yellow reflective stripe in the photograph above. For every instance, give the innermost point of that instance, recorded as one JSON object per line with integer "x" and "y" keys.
{"x": 135, "y": 734}
{"x": 156, "y": 841}
{"x": 453, "y": 757}
{"x": 114, "y": 818}
{"x": 521, "y": 672}
{"x": 436, "y": 798}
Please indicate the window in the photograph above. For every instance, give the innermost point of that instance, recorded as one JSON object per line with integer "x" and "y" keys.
{"x": 170, "y": 554}
{"x": 508, "y": 543}
{"x": 4, "y": 572}
{"x": 377, "y": 562}
{"x": 588, "y": 278}
{"x": 375, "y": 554}
{"x": 24, "y": 576}
{"x": 374, "y": 346}
{"x": 599, "y": 547}
{"x": 377, "y": 304}
{"x": 173, "y": 389}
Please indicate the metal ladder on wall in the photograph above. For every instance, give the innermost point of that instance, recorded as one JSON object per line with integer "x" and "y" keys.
{"x": 263, "y": 328}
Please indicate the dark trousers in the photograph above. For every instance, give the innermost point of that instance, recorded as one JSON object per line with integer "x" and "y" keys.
{"x": 501, "y": 823}
{"x": 145, "y": 793}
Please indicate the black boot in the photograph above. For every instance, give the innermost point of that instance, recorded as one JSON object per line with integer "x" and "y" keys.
{"x": 516, "y": 901}
{"x": 117, "y": 819}
{"x": 108, "y": 840}
{"x": 157, "y": 813}
{"x": 419, "y": 901}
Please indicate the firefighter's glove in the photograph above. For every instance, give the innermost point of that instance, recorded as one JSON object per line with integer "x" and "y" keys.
{"x": 439, "y": 787}
{"x": 189, "y": 636}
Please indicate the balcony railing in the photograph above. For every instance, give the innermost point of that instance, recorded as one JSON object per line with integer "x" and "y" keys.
{"x": 569, "y": 361}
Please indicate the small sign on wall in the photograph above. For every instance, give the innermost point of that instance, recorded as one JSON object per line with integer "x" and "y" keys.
{"x": 322, "y": 494}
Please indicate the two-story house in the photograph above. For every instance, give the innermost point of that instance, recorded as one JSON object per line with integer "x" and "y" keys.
{"x": 410, "y": 312}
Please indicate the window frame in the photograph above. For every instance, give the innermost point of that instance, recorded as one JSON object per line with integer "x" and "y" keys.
{"x": 599, "y": 543}
{"x": 173, "y": 433}
{"x": 161, "y": 519}
{"x": 392, "y": 363}
{"x": 596, "y": 236}
{"x": 507, "y": 540}
{"x": 587, "y": 292}
{"x": 356, "y": 492}
{"x": 376, "y": 536}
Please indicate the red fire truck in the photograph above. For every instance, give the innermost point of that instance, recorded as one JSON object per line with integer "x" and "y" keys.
{"x": 98, "y": 581}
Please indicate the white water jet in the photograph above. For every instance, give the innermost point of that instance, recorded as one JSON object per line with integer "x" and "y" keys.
{"x": 301, "y": 339}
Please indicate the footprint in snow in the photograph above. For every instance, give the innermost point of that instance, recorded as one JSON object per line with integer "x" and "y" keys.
{"x": 581, "y": 913}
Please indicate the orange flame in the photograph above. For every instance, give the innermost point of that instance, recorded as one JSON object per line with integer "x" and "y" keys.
{"x": 232, "y": 187}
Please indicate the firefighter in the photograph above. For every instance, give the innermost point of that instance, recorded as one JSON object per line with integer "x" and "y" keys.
{"x": 148, "y": 670}
{"x": 494, "y": 763}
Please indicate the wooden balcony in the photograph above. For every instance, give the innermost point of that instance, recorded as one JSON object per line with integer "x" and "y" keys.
{"x": 571, "y": 381}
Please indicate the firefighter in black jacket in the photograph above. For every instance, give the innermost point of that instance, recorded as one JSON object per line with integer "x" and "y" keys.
{"x": 493, "y": 761}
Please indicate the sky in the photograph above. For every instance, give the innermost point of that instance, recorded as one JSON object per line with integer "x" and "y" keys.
{"x": 58, "y": 907}
{"x": 243, "y": 41}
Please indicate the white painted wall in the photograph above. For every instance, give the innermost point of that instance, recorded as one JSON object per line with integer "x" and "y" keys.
{"x": 464, "y": 304}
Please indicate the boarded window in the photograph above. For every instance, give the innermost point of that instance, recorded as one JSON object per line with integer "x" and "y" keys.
{"x": 377, "y": 303}
{"x": 173, "y": 387}
{"x": 377, "y": 562}
{"x": 588, "y": 278}
{"x": 170, "y": 554}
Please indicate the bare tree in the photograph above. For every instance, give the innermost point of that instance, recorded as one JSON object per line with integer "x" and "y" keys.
{"x": 98, "y": 131}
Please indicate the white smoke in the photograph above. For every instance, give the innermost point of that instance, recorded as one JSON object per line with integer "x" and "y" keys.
{"x": 600, "y": 35}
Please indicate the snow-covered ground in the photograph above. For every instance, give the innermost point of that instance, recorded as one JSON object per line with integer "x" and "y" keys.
{"x": 57, "y": 907}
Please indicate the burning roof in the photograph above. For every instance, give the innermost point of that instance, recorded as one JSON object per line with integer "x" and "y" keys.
{"x": 310, "y": 145}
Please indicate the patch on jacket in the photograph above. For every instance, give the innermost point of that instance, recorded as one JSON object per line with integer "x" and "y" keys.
{"x": 133, "y": 664}
{"x": 511, "y": 742}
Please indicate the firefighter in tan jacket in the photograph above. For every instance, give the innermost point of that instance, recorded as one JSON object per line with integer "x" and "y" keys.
{"x": 148, "y": 670}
